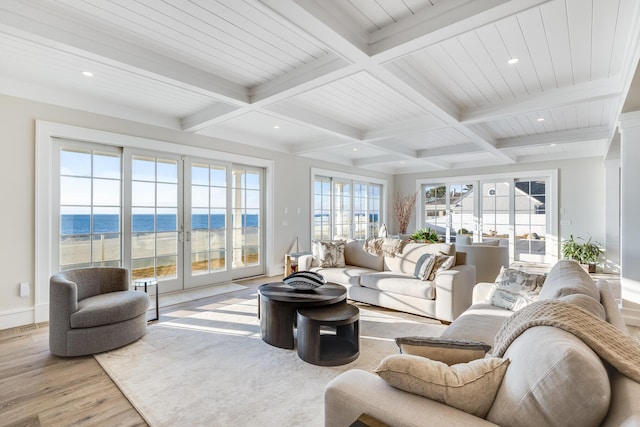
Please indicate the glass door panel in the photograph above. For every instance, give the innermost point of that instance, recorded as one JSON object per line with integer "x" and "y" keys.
{"x": 155, "y": 218}
{"x": 495, "y": 210}
{"x": 461, "y": 208}
{"x": 322, "y": 209}
{"x": 342, "y": 209}
{"x": 530, "y": 220}
{"x": 90, "y": 207}
{"x": 248, "y": 259}
{"x": 435, "y": 209}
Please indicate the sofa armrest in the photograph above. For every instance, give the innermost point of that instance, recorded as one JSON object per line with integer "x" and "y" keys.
{"x": 454, "y": 288}
{"x": 481, "y": 292}
{"x": 358, "y": 392}
{"x": 305, "y": 262}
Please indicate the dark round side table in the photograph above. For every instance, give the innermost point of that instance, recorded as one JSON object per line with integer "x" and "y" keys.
{"x": 278, "y": 305}
{"x": 328, "y": 349}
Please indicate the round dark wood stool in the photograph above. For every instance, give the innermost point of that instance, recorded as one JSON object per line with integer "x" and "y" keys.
{"x": 329, "y": 349}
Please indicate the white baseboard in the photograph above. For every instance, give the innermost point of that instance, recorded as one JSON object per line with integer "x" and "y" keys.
{"x": 14, "y": 318}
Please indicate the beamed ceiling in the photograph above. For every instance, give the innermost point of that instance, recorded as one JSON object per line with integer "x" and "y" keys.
{"x": 388, "y": 85}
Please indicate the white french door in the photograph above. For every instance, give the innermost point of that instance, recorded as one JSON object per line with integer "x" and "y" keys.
{"x": 206, "y": 207}
{"x": 185, "y": 221}
{"x": 153, "y": 217}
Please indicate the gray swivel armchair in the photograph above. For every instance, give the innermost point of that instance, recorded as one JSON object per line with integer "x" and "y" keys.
{"x": 92, "y": 310}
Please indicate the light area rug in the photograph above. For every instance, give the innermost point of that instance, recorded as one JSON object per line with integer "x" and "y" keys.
{"x": 188, "y": 295}
{"x": 209, "y": 367}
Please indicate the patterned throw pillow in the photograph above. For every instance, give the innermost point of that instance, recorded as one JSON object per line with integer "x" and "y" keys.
{"x": 515, "y": 289}
{"x": 329, "y": 254}
{"x": 424, "y": 266}
{"x": 442, "y": 263}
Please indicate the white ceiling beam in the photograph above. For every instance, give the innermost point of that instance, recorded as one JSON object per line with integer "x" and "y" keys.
{"x": 324, "y": 70}
{"x": 582, "y": 92}
{"x": 313, "y": 19}
{"x": 377, "y": 160}
{"x": 69, "y": 99}
{"x": 450, "y": 150}
{"x": 205, "y": 118}
{"x": 76, "y": 38}
{"x": 311, "y": 147}
{"x": 403, "y": 128}
{"x": 486, "y": 142}
{"x": 319, "y": 122}
{"x": 561, "y": 137}
{"x": 394, "y": 148}
{"x": 440, "y": 22}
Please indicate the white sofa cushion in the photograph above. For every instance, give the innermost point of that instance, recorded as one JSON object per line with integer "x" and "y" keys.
{"x": 406, "y": 262}
{"x": 354, "y": 254}
{"x": 388, "y": 281}
{"x": 480, "y": 322}
{"x": 565, "y": 279}
{"x": 563, "y": 382}
{"x": 349, "y": 275}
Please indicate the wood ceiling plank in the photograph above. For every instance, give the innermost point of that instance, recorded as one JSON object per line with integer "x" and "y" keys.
{"x": 554, "y": 15}
{"x": 515, "y": 43}
{"x": 603, "y": 35}
{"x": 480, "y": 56}
{"x": 495, "y": 46}
{"x": 477, "y": 84}
{"x": 532, "y": 26}
{"x": 580, "y": 16}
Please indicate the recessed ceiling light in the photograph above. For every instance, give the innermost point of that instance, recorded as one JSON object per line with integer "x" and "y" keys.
{"x": 276, "y": 126}
{"x": 355, "y": 149}
{"x": 87, "y": 73}
{"x": 540, "y": 119}
{"x": 552, "y": 145}
{"x": 402, "y": 162}
{"x": 513, "y": 61}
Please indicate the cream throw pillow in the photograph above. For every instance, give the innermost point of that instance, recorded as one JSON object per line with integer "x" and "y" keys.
{"x": 329, "y": 254}
{"x": 470, "y": 387}
{"x": 446, "y": 350}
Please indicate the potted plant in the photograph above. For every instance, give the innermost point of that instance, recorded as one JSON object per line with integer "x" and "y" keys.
{"x": 585, "y": 252}
{"x": 425, "y": 235}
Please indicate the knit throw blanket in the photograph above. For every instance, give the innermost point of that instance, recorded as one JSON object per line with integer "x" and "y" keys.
{"x": 608, "y": 342}
{"x": 383, "y": 246}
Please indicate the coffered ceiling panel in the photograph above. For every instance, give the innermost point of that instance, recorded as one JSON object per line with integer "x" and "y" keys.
{"x": 234, "y": 39}
{"x": 361, "y": 101}
{"x": 386, "y": 85}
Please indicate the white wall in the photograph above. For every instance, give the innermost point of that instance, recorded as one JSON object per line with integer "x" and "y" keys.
{"x": 581, "y": 191}
{"x": 17, "y": 187}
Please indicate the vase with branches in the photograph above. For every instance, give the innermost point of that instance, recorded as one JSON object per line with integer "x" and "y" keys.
{"x": 403, "y": 205}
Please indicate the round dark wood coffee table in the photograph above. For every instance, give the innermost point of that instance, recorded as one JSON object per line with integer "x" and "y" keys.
{"x": 279, "y": 304}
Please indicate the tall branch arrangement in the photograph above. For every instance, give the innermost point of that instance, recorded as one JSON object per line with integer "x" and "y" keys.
{"x": 403, "y": 205}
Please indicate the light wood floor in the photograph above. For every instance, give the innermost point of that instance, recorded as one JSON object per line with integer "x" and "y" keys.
{"x": 39, "y": 389}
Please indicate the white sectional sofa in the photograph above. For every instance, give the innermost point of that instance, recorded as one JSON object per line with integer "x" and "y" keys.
{"x": 553, "y": 378}
{"x": 389, "y": 281}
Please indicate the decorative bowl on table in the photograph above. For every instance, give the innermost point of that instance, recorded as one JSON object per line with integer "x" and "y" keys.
{"x": 304, "y": 280}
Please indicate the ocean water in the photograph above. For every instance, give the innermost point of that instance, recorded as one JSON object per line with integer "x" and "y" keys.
{"x": 81, "y": 224}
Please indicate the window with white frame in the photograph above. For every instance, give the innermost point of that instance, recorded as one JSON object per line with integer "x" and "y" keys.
{"x": 515, "y": 209}
{"x": 346, "y": 208}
